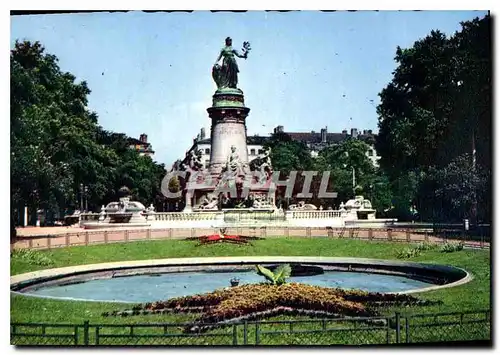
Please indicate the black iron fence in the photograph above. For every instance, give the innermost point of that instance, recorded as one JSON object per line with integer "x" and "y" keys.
{"x": 395, "y": 329}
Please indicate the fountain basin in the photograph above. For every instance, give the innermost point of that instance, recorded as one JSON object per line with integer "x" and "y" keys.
{"x": 150, "y": 280}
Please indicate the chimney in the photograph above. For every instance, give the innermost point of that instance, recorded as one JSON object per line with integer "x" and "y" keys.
{"x": 364, "y": 131}
{"x": 323, "y": 134}
{"x": 344, "y": 131}
{"x": 354, "y": 132}
{"x": 278, "y": 129}
{"x": 202, "y": 133}
{"x": 143, "y": 138}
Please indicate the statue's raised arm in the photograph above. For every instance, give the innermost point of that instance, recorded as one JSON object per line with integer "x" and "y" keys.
{"x": 226, "y": 76}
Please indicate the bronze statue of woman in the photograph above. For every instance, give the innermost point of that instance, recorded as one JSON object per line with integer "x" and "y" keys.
{"x": 226, "y": 76}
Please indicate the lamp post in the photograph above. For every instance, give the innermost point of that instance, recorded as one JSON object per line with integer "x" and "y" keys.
{"x": 81, "y": 197}
{"x": 86, "y": 198}
{"x": 353, "y": 181}
{"x": 287, "y": 197}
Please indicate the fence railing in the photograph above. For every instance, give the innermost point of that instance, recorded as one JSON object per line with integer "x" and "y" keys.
{"x": 394, "y": 329}
{"x": 90, "y": 237}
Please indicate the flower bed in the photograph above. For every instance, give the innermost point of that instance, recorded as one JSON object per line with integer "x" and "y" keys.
{"x": 255, "y": 301}
{"x": 222, "y": 237}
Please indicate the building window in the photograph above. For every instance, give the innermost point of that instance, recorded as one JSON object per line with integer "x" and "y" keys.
{"x": 261, "y": 151}
{"x": 252, "y": 151}
{"x": 207, "y": 163}
{"x": 207, "y": 151}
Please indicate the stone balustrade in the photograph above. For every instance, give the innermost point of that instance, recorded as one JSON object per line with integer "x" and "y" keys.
{"x": 219, "y": 215}
{"x": 89, "y": 217}
{"x": 314, "y": 214}
{"x": 180, "y": 216}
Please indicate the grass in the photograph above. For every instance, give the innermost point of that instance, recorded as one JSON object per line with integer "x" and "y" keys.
{"x": 474, "y": 295}
{"x": 159, "y": 249}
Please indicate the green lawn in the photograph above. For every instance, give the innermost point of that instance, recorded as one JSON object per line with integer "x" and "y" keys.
{"x": 469, "y": 297}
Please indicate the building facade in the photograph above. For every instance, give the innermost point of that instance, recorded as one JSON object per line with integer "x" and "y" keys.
{"x": 315, "y": 141}
{"x": 255, "y": 146}
{"x": 141, "y": 145}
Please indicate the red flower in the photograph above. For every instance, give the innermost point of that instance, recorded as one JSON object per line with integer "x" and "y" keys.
{"x": 221, "y": 238}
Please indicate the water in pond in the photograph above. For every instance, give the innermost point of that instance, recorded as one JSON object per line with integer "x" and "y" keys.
{"x": 147, "y": 288}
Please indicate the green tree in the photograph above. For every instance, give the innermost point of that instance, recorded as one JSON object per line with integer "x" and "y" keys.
{"x": 51, "y": 131}
{"x": 288, "y": 155}
{"x": 436, "y": 108}
{"x": 57, "y": 144}
{"x": 344, "y": 160}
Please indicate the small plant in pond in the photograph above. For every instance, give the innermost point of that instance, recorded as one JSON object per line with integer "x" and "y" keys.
{"x": 451, "y": 247}
{"x": 277, "y": 277}
{"x": 30, "y": 256}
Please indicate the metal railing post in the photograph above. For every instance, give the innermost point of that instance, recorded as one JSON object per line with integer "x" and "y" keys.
{"x": 398, "y": 328}
{"x": 388, "y": 333}
{"x": 86, "y": 333}
{"x": 97, "y": 328}
{"x": 76, "y": 335}
{"x": 407, "y": 329}
{"x": 257, "y": 335}
{"x": 235, "y": 334}
{"x": 245, "y": 333}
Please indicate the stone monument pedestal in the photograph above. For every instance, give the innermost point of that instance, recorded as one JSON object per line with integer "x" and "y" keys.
{"x": 228, "y": 129}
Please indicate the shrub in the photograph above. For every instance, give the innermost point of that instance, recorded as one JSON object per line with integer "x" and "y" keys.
{"x": 408, "y": 253}
{"x": 30, "y": 256}
{"x": 415, "y": 250}
{"x": 422, "y": 246}
{"x": 451, "y": 247}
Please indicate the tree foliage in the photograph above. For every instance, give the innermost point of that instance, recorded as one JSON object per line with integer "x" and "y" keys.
{"x": 57, "y": 144}
{"x": 435, "y": 110}
{"x": 339, "y": 160}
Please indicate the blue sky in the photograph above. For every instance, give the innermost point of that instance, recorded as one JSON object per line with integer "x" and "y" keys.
{"x": 151, "y": 72}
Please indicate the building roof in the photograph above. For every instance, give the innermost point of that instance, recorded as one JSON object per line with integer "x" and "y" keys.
{"x": 315, "y": 137}
{"x": 135, "y": 141}
{"x": 145, "y": 147}
{"x": 258, "y": 140}
{"x": 306, "y": 137}
{"x": 204, "y": 141}
{"x": 310, "y": 137}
